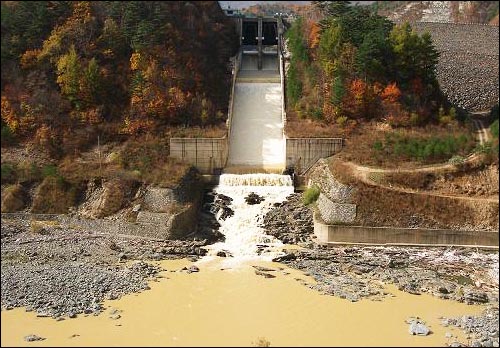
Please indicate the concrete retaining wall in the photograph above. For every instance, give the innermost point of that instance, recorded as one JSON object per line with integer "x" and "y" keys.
{"x": 338, "y": 234}
{"x": 302, "y": 153}
{"x": 206, "y": 154}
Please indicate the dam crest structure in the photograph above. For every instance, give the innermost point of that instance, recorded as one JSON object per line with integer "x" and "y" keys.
{"x": 256, "y": 141}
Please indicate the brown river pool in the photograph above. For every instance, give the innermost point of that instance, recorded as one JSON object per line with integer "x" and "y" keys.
{"x": 229, "y": 305}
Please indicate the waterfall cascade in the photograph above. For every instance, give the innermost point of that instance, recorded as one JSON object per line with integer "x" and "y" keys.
{"x": 244, "y": 237}
{"x": 255, "y": 180}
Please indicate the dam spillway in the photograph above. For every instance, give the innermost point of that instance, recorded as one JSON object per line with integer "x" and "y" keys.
{"x": 256, "y": 141}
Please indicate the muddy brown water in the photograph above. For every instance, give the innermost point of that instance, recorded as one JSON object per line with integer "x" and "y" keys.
{"x": 227, "y": 304}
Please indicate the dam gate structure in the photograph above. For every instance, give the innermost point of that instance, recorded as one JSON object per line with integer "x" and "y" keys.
{"x": 255, "y": 141}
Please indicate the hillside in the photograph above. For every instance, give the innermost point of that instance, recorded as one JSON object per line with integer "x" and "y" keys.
{"x": 398, "y": 96}
{"x": 91, "y": 92}
{"x": 352, "y": 66}
{"x": 438, "y": 11}
{"x": 74, "y": 69}
{"x": 468, "y": 63}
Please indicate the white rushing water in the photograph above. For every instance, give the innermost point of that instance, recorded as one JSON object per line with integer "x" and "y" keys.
{"x": 244, "y": 236}
{"x": 256, "y": 137}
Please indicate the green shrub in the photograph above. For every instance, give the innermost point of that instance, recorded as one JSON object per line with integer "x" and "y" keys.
{"x": 7, "y": 136}
{"x": 378, "y": 146}
{"x": 485, "y": 148}
{"x": 293, "y": 85}
{"x": 50, "y": 170}
{"x": 424, "y": 149}
{"x": 414, "y": 119}
{"x": 8, "y": 173}
{"x": 310, "y": 195}
{"x": 494, "y": 112}
{"x": 341, "y": 121}
{"x": 494, "y": 129}
{"x": 457, "y": 160}
{"x": 317, "y": 114}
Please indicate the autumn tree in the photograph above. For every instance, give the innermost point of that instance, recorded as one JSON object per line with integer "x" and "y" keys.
{"x": 353, "y": 55}
{"x": 69, "y": 73}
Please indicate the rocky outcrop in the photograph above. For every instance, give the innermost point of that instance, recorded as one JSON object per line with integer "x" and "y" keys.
{"x": 54, "y": 196}
{"x": 290, "y": 221}
{"x": 106, "y": 199}
{"x": 254, "y": 198}
{"x": 215, "y": 206}
{"x": 127, "y": 207}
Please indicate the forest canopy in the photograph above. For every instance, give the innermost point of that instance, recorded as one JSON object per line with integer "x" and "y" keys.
{"x": 141, "y": 65}
{"x": 353, "y": 65}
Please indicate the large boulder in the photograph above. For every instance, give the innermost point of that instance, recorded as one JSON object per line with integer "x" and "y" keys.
{"x": 106, "y": 199}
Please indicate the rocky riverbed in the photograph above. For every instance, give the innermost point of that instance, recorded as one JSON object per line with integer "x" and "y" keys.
{"x": 61, "y": 272}
{"x": 460, "y": 274}
{"x": 290, "y": 221}
{"x": 356, "y": 272}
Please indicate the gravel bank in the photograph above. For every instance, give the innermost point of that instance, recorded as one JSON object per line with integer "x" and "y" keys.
{"x": 61, "y": 272}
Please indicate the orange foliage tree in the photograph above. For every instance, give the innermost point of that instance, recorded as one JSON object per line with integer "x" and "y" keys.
{"x": 391, "y": 93}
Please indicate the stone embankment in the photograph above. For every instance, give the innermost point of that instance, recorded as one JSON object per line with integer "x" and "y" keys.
{"x": 468, "y": 66}
{"x": 119, "y": 206}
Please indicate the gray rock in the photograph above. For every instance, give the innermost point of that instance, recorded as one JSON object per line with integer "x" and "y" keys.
{"x": 476, "y": 297}
{"x": 224, "y": 253}
{"x": 487, "y": 343}
{"x": 253, "y": 198}
{"x": 264, "y": 274}
{"x": 418, "y": 328}
{"x": 263, "y": 269}
{"x": 286, "y": 257}
{"x": 33, "y": 338}
{"x": 193, "y": 269}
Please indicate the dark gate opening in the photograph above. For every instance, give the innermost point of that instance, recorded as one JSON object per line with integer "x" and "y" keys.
{"x": 250, "y": 33}
{"x": 270, "y": 33}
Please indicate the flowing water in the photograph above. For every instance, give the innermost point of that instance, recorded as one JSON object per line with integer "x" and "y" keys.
{"x": 257, "y": 128}
{"x": 227, "y": 304}
{"x": 245, "y": 239}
